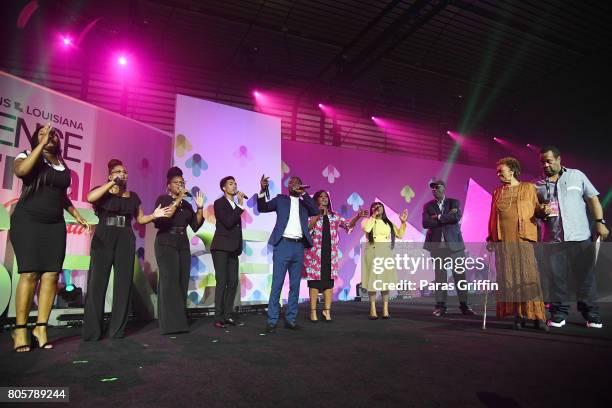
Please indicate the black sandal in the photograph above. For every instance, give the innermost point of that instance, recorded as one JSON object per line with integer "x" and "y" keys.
{"x": 326, "y": 320}
{"x": 22, "y": 348}
{"x": 310, "y": 318}
{"x": 36, "y": 343}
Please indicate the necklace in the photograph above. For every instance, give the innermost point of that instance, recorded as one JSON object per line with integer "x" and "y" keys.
{"x": 504, "y": 203}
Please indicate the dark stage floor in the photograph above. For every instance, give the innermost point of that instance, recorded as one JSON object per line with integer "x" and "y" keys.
{"x": 413, "y": 359}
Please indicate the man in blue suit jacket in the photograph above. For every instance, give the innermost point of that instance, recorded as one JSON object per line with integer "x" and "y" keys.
{"x": 289, "y": 238}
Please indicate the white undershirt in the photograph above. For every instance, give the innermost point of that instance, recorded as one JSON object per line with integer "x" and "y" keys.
{"x": 294, "y": 228}
{"x": 58, "y": 167}
{"x": 234, "y": 204}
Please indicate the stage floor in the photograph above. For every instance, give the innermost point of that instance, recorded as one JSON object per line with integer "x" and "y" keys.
{"x": 412, "y": 359}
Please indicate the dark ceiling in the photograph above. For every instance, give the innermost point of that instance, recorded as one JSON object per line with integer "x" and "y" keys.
{"x": 478, "y": 58}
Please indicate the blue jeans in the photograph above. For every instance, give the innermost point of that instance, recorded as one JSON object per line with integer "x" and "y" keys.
{"x": 287, "y": 255}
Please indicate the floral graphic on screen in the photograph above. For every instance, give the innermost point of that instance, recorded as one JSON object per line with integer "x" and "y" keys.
{"x": 243, "y": 155}
{"x": 246, "y": 249}
{"x": 246, "y": 218}
{"x": 355, "y": 201}
{"x": 209, "y": 214}
{"x": 344, "y": 211}
{"x": 408, "y": 193}
{"x": 181, "y": 145}
{"x": 284, "y": 168}
{"x": 197, "y": 164}
{"x": 140, "y": 229}
{"x": 331, "y": 173}
{"x": 194, "y": 297}
{"x": 245, "y": 284}
{"x": 355, "y": 254}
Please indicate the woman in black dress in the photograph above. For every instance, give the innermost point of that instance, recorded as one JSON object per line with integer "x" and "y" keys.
{"x": 38, "y": 232}
{"x": 113, "y": 246}
{"x": 173, "y": 254}
{"x": 321, "y": 264}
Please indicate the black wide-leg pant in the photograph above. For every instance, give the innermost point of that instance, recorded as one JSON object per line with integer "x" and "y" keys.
{"x": 111, "y": 247}
{"x": 174, "y": 261}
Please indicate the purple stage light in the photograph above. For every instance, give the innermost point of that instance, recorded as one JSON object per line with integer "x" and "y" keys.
{"x": 122, "y": 60}
{"x": 256, "y": 93}
{"x": 321, "y": 105}
{"x": 67, "y": 41}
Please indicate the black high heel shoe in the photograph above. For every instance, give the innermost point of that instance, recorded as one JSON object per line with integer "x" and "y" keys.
{"x": 36, "y": 342}
{"x": 311, "y": 319}
{"x": 326, "y": 319}
{"x": 23, "y": 347}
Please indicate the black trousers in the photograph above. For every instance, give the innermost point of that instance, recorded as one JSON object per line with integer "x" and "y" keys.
{"x": 226, "y": 275}
{"x": 111, "y": 247}
{"x": 441, "y": 277}
{"x": 579, "y": 258}
{"x": 174, "y": 261}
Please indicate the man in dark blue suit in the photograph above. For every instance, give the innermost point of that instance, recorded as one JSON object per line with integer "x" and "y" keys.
{"x": 289, "y": 238}
{"x": 444, "y": 240}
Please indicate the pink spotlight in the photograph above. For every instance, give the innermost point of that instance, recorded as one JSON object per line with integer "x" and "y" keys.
{"x": 122, "y": 60}
{"x": 256, "y": 94}
{"x": 528, "y": 145}
{"x": 67, "y": 41}
{"x": 495, "y": 139}
{"x": 321, "y": 106}
{"x": 448, "y": 132}
{"x": 373, "y": 118}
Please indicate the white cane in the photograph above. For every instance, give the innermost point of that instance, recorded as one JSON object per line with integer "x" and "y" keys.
{"x": 484, "y": 315}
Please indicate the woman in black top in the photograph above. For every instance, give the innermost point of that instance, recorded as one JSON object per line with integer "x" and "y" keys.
{"x": 113, "y": 246}
{"x": 38, "y": 232}
{"x": 173, "y": 254}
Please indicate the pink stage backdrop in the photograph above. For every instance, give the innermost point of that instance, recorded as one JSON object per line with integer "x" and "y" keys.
{"x": 355, "y": 178}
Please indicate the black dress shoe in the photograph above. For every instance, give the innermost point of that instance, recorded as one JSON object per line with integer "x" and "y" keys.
{"x": 467, "y": 311}
{"x": 387, "y": 317}
{"x": 219, "y": 324}
{"x": 373, "y": 317}
{"x": 270, "y": 329}
{"x": 293, "y": 326}
{"x": 233, "y": 322}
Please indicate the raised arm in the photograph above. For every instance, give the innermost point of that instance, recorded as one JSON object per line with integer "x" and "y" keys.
{"x": 23, "y": 167}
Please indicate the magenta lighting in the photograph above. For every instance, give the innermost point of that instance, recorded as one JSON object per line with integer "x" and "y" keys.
{"x": 67, "y": 41}
{"x": 495, "y": 139}
{"x": 122, "y": 60}
{"x": 373, "y": 118}
{"x": 255, "y": 93}
{"x": 448, "y": 132}
{"x": 321, "y": 106}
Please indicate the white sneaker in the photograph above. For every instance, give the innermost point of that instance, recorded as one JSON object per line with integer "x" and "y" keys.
{"x": 557, "y": 322}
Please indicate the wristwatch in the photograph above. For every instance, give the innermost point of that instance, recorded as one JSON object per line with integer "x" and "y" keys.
{"x": 601, "y": 221}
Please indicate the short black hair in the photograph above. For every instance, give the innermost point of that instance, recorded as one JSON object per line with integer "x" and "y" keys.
{"x": 550, "y": 148}
{"x": 225, "y": 180}
{"x": 172, "y": 173}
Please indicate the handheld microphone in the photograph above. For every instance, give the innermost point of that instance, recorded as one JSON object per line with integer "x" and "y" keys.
{"x": 187, "y": 193}
{"x": 304, "y": 186}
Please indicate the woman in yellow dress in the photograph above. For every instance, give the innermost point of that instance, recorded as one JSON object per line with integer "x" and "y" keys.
{"x": 381, "y": 234}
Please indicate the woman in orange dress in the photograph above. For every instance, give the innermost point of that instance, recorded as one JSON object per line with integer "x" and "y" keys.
{"x": 512, "y": 226}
